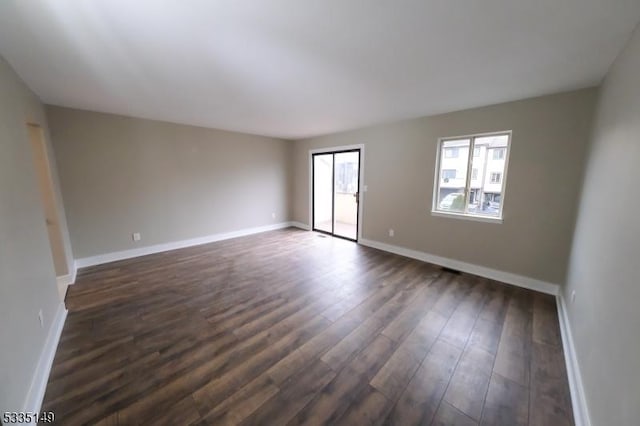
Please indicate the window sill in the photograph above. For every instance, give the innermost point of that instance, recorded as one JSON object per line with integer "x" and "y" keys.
{"x": 463, "y": 216}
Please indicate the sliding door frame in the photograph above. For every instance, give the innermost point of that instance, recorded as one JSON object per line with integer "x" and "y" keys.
{"x": 361, "y": 189}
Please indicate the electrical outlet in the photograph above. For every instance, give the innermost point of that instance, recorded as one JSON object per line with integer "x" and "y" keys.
{"x": 41, "y": 319}
{"x": 273, "y": 215}
{"x": 392, "y": 232}
{"x": 136, "y": 236}
{"x": 365, "y": 188}
{"x": 573, "y": 296}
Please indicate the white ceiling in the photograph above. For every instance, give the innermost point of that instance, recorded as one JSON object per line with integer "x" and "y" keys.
{"x": 297, "y": 68}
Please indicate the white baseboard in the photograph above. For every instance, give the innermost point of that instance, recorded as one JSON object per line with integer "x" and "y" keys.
{"x": 35, "y": 395}
{"x": 301, "y": 225}
{"x": 578, "y": 397}
{"x": 494, "y": 274}
{"x": 158, "y": 248}
{"x": 67, "y": 279}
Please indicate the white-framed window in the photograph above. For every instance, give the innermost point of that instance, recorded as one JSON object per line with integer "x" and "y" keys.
{"x": 471, "y": 183}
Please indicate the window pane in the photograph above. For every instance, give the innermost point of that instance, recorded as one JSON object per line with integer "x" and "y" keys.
{"x": 454, "y": 157}
{"x": 346, "y": 186}
{"x": 323, "y": 194}
{"x": 486, "y": 190}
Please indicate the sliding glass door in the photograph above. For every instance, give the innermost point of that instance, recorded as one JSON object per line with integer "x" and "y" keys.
{"x": 336, "y": 193}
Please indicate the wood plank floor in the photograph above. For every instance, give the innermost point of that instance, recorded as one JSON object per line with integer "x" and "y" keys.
{"x": 288, "y": 327}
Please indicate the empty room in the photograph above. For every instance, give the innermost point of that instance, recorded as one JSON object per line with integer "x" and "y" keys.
{"x": 279, "y": 212}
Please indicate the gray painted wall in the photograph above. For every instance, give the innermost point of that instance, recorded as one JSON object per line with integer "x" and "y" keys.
{"x": 27, "y": 277}
{"x": 604, "y": 268}
{"x": 169, "y": 182}
{"x": 550, "y": 138}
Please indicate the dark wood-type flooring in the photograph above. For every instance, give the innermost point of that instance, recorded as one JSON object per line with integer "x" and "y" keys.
{"x": 289, "y": 327}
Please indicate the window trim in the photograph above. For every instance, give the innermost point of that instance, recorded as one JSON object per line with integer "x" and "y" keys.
{"x": 436, "y": 181}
